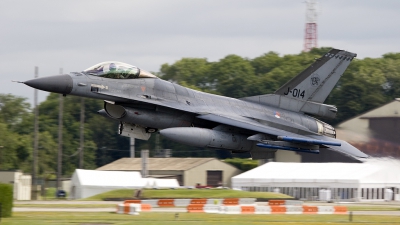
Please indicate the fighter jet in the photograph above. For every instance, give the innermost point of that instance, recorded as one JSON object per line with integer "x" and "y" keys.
{"x": 144, "y": 104}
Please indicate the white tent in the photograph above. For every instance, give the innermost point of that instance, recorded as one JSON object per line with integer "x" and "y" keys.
{"x": 160, "y": 183}
{"x": 86, "y": 183}
{"x": 356, "y": 181}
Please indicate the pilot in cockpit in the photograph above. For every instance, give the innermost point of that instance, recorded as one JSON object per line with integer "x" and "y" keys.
{"x": 117, "y": 70}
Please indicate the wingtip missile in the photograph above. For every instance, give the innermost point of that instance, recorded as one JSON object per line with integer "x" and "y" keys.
{"x": 308, "y": 141}
{"x": 287, "y": 148}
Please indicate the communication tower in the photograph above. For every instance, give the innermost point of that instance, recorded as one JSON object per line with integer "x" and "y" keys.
{"x": 310, "y": 37}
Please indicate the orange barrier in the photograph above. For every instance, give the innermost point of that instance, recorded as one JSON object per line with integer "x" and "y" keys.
{"x": 166, "y": 202}
{"x": 278, "y": 209}
{"x": 230, "y": 201}
{"x": 310, "y": 209}
{"x": 133, "y": 201}
{"x": 276, "y": 202}
{"x": 134, "y": 208}
{"x": 201, "y": 201}
{"x": 145, "y": 207}
{"x": 340, "y": 209}
{"x": 186, "y": 202}
{"x": 248, "y": 209}
{"x": 195, "y": 208}
{"x": 126, "y": 208}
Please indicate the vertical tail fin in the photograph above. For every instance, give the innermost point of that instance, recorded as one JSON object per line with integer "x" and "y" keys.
{"x": 317, "y": 81}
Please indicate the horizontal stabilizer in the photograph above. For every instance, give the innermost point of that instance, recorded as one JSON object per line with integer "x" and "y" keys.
{"x": 262, "y": 145}
{"x": 308, "y": 141}
{"x": 249, "y": 124}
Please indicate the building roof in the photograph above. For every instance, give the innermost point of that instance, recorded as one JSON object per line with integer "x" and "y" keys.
{"x": 390, "y": 110}
{"x": 357, "y": 128}
{"x": 373, "y": 171}
{"x": 135, "y": 164}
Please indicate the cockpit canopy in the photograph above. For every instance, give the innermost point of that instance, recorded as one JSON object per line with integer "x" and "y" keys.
{"x": 117, "y": 70}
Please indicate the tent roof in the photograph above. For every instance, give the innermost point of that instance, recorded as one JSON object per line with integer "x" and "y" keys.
{"x": 134, "y": 164}
{"x": 109, "y": 178}
{"x": 368, "y": 172}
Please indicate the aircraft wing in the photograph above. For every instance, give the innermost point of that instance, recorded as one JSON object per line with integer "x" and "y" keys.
{"x": 150, "y": 100}
{"x": 252, "y": 125}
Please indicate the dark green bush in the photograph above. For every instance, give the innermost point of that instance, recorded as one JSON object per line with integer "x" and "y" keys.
{"x": 248, "y": 165}
{"x": 6, "y": 199}
{"x": 242, "y": 164}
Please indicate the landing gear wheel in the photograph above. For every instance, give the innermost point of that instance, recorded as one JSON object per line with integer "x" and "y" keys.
{"x": 151, "y": 130}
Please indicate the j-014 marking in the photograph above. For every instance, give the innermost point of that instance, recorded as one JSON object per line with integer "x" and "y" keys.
{"x": 297, "y": 93}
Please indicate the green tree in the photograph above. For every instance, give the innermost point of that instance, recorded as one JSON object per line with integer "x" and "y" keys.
{"x": 188, "y": 71}
{"x": 13, "y": 111}
{"x": 233, "y": 76}
{"x": 265, "y": 63}
{"x": 15, "y": 142}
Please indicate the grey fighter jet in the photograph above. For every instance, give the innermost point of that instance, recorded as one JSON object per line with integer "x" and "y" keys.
{"x": 144, "y": 104}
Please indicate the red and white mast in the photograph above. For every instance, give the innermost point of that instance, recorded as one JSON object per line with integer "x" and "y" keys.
{"x": 310, "y": 37}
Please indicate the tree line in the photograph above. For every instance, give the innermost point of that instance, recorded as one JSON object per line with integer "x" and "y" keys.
{"x": 366, "y": 84}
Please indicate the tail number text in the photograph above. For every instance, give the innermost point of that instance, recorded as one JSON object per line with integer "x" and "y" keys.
{"x": 297, "y": 93}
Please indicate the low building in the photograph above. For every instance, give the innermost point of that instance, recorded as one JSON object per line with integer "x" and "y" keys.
{"x": 20, "y": 181}
{"x": 346, "y": 181}
{"x": 188, "y": 171}
{"x": 375, "y": 132}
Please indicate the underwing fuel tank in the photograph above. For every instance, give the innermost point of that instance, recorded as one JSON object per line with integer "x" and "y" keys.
{"x": 201, "y": 137}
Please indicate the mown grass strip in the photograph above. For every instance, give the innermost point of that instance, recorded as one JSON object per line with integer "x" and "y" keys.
{"x": 372, "y": 208}
{"x": 34, "y": 218}
{"x": 65, "y": 205}
{"x": 187, "y": 193}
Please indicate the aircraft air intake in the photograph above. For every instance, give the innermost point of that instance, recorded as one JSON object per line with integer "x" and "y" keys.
{"x": 114, "y": 111}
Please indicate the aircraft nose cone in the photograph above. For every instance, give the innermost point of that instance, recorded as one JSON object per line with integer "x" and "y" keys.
{"x": 59, "y": 84}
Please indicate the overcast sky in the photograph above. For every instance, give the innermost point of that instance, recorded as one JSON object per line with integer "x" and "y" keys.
{"x": 75, "y": 35}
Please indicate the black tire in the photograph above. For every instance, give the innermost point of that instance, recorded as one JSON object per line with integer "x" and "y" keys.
{"x": 151, "y": 130}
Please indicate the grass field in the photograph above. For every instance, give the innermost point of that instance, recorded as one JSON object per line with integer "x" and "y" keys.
{"x": 36, "y": 218}
{"x": 373, "y": 208}
{"x": 66, "y": 205}
{"x": 186, "y": 193}
{"x": 350, "y": 208}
